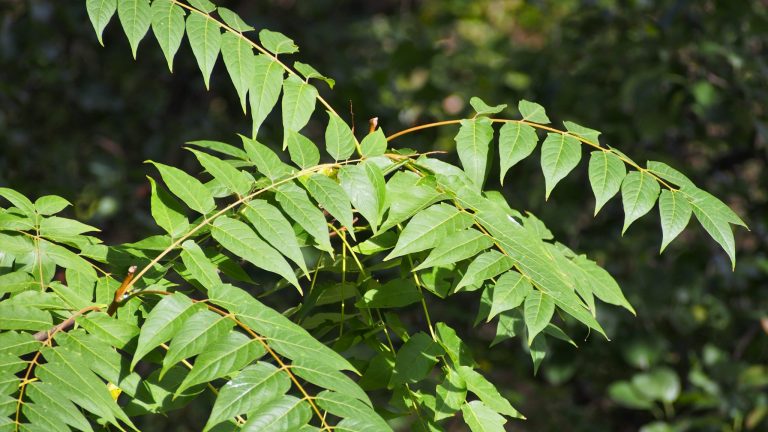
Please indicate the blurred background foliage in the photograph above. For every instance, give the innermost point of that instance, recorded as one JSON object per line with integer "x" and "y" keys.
{"x": 684, "y": 82}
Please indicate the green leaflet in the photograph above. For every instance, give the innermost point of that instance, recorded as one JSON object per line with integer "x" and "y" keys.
{"x": 100, "y": 12}
{"x": 487, "y": 392}
{"x": 277, "y": 43}
{"x": 287, "y": 413}
{"x": 240, "y": 63}
{"x": 18, "y": 200}
{"x": 538, "y": 311}
{"x": 352, "y": 411}
{"x": 224, "y": 148}
{"x": 57, "y": 405}
{"x": 428, "y": 227}
{"x": 588, "y": 134}
{"x": 205, "y": 39}
{"x": 203, "y": 5}
{"x": 485, "y": 266}
{"x": 472, "y": 145}
{"x": 110, "y": 330}
{"x": 328, "y": 378}
{"x": 196, "y": 333}
{"x": 560, "y": 154}
{"x": 533, "y": 260}
{"x": 480, "y": 418}
{"x": 533, "y": 112}
{"x": 456, "y": 247}
{"x": 365, "y": 186}
{"x": 296, "y": 203}
{"x": 413, "y": 194}
{"x": 638, "y": 192}
{"x": 715, "y": 217}
{"x": 285, "y": 337}
{"x": 189, "y": 189}
{"x": 233, "y": 179}
{"x": 304, "y": 152}
{"x": 374, "y": 144}
{"x": 449, "y": 395}
{"x": 162, "y": 323}
{"x": 221, "y": 358}
{"x": 602, "y": 283}
{"x": 275, "y": 228}
{"x": 669, "y": 174}
{"x": 675, "y": 212}
{"x": 393, "y": 294}
{"x": 456, "y": 349}
{"x": 298, "y": 104}
{"x": 266, "y": 161}
{"x": 509, "y": 292}
{"x": 24, "y": 318}
{"x": 606, "y": 172}
{"x": 482, "y": 108}
{"x": 538, "y": 350}
{"x": 264, "y": 89}
{"x": 516, "y": 142}
{"x": 50, "y": 204}
{"x": 233, "y": 20}
{"x": 18, "y": 343}
{"x": 168, "y": 27}
{"x": 414, "y": 360}
{"x": 135, "y": 17}
{"x": 241, "y": 240}
{"x": 198, "y": 265}
{"x": 253, "y": 387}
{"x": 339, "y": 141}
{"x": 16, "y": 281}
{"x": 332, "y": 198}
{"x": 310, "y": 72}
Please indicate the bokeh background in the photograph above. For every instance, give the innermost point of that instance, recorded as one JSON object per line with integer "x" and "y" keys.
{"x": 685, "y": 82}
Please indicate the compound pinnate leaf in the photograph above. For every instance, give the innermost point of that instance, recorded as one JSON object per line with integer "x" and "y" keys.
{"x": 264, "y": 89}
{"x": 472, "y": 143}
{"x": 428, "y": 227}
{"x": 205, "y": 39}
{"x": 516, "y": 142}
{"x": 162, "y": 323}
{"x": 510, "y": 291}
{"x": 480, "y": 418}
{"x": 339, "y": 141}
{"x": 638, "y": 193}
{"x": 675, "y": 212}
{"x": 136, "y": 17}
{"x": 393, "y": 294}
{"x": 539, "y": 309}
{"x": 240, "y": 63}
{"x": 100, "y": 12}
{"x": 275, "y": 229}
{"x": 189, "y": 189}
{"x": 277, "y": 43}
{"x": 560, "y": 153}
{"x": 449, "y": 395}
{"x": 533, "y": 112}
{"x": 168, "y": 27}
{"x": 253, "y": 387}
{"x": 298, "y": 104}
{"x": 606, "y": 173}
{"x": 238, "y": 238}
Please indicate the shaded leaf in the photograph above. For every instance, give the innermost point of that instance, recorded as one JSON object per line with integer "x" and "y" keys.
{"x": 456, "y": 247}
{"x": 296, "y": 203}
{"x": 509, "y": 292}
{"x": 539, "y": 309}
{"x": 485, "y": 266}
{"x": 275, "y": 229}
{"x": 480, "y": 418}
